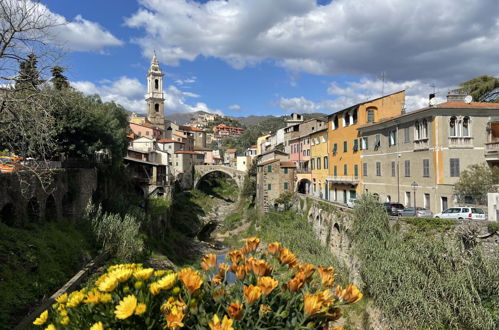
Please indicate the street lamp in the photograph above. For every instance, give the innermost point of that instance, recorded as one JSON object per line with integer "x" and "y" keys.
{"x": 414, "y": 185}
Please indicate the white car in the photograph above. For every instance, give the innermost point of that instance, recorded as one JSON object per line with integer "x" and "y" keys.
{"x": 462, "y": 213}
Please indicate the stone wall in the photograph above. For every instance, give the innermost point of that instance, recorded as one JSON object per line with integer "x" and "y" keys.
{"x": 24, "y": 199}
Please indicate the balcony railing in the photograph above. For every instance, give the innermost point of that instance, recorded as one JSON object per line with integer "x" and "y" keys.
{"x": 303, "y": 171}
{"x": 460, "y": 142}
{"x": 344, "y": 179}
{"x": 421, "y": 144}
{"x": 492, "y": 149}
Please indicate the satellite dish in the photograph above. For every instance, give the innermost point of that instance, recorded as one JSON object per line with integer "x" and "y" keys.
{"x": 468, "y": 99}
{"x": 433, "y": 101}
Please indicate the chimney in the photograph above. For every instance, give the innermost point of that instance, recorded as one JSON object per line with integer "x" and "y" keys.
{"x": 456, "y": 96}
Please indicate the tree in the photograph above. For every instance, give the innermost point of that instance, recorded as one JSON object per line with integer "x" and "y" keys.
{"x": 29, "y": 76}
{"x": 59, "y": 81}
{"x": 476, "y": 181}
{"x": 285, "y": 199}
{"x": 483, "y": 88}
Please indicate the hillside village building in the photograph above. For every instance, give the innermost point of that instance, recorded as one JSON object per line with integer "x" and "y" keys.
{"x": 319, "y": 163}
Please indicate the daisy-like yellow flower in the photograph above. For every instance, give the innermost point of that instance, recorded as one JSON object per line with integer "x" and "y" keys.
{"x": 160, "y": 272}
{"x": 167, "y": 282}
{"x": 264, "y": 309}
{"x": 108, "y": 284}
{"x": 236, "y": 256}
{"x": 62, "y": 298}
{"x": 50, "y": 327}
{"x": 75, "y": 298}
{"x": 65, "y": 320}
{"x": 143, "y": 274}
{"x": 122, "y": 275}
{"x": 317, "y": 303}
{"x": 154, "y": 288}
{"x": 97, "y": 326}
{"x": 140, "y": 309}
{"x": 350, "y": 295}
{"x": 252, "y": 243}
{"x": 261, "y": 267}
{"x": 288, "y": 258}
{"x": 274, "y": 247}
{"x": 174, "y": 318}
{"x": 93, "y": 297}
{"x": 209, "y": 261}
{"x": 63, "y": 313}
{"x": 226, "y": 323}
{"x": 252, "y": 293}
{"x": 40, "y": 320}
{"x": 105, "y": 298}
{"x": 327, "y": 276}
{"x": 126, "y": 307}
{"x": 190, "y": 279}
{"x": 267, "y": 284}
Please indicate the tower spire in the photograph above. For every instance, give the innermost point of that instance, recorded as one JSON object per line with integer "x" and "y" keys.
{"x": 155, "y": 97}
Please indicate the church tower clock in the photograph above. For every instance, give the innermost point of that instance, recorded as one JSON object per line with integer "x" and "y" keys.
{"x": 155, "y": 98}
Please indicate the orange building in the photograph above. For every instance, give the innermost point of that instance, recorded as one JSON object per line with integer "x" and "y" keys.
{"x": 345, "y": 146}
{"x": 224, "y": 130}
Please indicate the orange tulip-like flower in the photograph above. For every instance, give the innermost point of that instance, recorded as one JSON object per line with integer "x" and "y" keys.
{"x": 264, "y": 310}
{"x": 219, "y": 294}
{"x": 249, "y": 264}
{"x": 295, "y": 284}
{"x": 261, "y": 268}
{"x": 209, "y": 261}
{"x": 223, "y": 269}
{"x": 174, "y": 318}
{"x": 267, "y": 284}
{"x": 252, "y": 293}
{"x": 236, "y": 256}
{"x": 317, "y": 303}
{"x": 191, "y": 279}
{"x": 252, "y": 243}
{"x": 226, "y": 323}
{"x": 350, "y": 295}
{"x": 307, "y": 271}
{"x": 288, "y": 258}
{"x": 235, "y": 310}
{"x": 274, "y": 247}
{"x": 240, "y": 271}
{"x": 327, "y": 276}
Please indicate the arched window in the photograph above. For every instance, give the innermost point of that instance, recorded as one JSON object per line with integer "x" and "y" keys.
{"x": 354, "y": 116}
{"x": 334, "y": 123}
{"x": 466, "y": 126}
{"x": 345, "y": 119}
{"x": 156, "y": 83}
{"x": 156, "y": 107}
{"x": 417, "y": 131}
{"x": 452, "y": 126}
{"x": 318, "y": 163}
{"x": 370, "y": 114}
{"x": 325, "y": 162}
{"x": 312, "y": 164}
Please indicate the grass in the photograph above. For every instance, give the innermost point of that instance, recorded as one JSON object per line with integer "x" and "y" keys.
{"x": 36, "y": 261}
{"x": 427, "y": 225}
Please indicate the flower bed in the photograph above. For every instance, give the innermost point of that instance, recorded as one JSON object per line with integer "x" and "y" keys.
{"x": 273, "y": 289}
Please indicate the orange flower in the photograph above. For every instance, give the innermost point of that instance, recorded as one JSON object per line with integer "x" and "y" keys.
{"x": 295, "y": 284}
{"x": 317, "y": 303}
{"x": 218, "y": 294}
{"x": 235, "y": 310}
{"x": 222, "y": 269}
{"x": 327, "y": 276}
{"x": 265, "y": 309}
{"x": 240, "y": 271}
{"x": 274, "y": 247}
{"x": 225, "y": 325}
{"x": 252, "y": 243}
{"x": 350, "y": 295}
{"x": 307, "y": 270}
{"x": 209, "y": 261}
{"x": 288, "y": 258}
{"x": 236, "y": 256}
{"x": 191, "y": 279}
{"x": 252, "y": 293}
{"x": 261, "y": 268}
{"x": 249, "y": 264}
{"x": 267, "y": 284}
{"x": 174, "y": 318}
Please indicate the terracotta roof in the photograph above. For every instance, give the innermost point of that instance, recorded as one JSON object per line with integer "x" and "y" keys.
{"x": 268, "y": 162}
{"x": 253, "y": 147}
{"x": 190, "y": 128}
{"x": 231, "y": 150}
{"x": 188, "y": 152}
{"x": 288, "y": 164}
{"x": 169, "y": 141}
{"x": 131, "y": 136}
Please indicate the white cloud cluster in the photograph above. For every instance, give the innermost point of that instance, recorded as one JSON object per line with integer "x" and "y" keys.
{"x": 129, "y": 92}
{"x": 235, "y": 107}
{"x": 447, "y": 40}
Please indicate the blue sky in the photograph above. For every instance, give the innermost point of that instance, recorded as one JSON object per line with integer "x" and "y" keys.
{"x": 243, "y": 57}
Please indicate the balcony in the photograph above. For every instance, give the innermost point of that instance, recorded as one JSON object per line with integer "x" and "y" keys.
{"x": 492, "y": 150}
{"x": 460, "y": 142}
{"x": 422, "y": 144}
{"x": 303, "y": 171}
{"x": 344, "y": 179}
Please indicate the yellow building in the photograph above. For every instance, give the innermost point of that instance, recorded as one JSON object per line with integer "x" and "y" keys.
{"x": 259, "y": 142}
{"x": 319, "y": 163}
{"x": 345, "y": 146}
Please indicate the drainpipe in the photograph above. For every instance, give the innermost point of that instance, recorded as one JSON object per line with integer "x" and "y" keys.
{"x": 398, "y": 172}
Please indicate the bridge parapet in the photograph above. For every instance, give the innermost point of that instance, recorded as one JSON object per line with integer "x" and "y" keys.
{"x": 202, "y": 170}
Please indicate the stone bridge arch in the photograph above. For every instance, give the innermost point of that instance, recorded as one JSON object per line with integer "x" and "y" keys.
{"x": 200, "y": 171}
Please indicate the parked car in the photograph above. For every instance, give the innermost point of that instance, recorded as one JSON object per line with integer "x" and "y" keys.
{"x": 351, "y": 202}
{"x": 462, "y": 212}
{"x": 393, "y": 208}
{"x": 419, "y": 212}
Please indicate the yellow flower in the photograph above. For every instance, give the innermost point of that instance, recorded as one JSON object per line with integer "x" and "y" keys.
{"x": 295, "y": 284}
{"x": 97, "y": 326}
{"x": 190, "y": 279}
{"x": 143, "y": 274}
{"x": 218, "y": 294}
{"x": 225, "y": 325}
{"x": 50, "y": 327}
{"x": 252, "y": 293}
{"x": 264, "y": 309}
{"x": 209, "y": 261}
{"x": 307, "y": 271}
{"x": 261, "y": 267}
{"x": 106, "y": 297}
{"x": 65, "y": 320}
{"x": 274, "y": 247}
{"x": 160, "y": 272}
{"x": 154, "y": 288}
{"x": 126, "y": 307}
{"x": 267, "y": 284}
{"x": 252, "y": 243}
{"x": 236, "y": 256}
{"x": 350, "y": 295}
{"x": 140, "y": 309}
{"x": 240, "y": 271}
{"x": 62, "y": 298}
{"x": 93, "y": 297}
{"x": 108, "y": 284}
{"x": 288, "y": 258}
{"x": 42, "y": 318}
{"x": 317, "y": 303}
{"x": 174, "y": 318}
{"x": 235, "y": 310}
{"x": 63, "y": 312}
{"x": 75, "y": 298}
{"x": 167, "y": 282}
{"x": 327, "y": 276}
{"x": 122, "y": 275}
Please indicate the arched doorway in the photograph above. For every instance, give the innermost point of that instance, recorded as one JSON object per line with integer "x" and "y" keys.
{"x": 303, "y": 186}
{"x": 33, "y": 209}
{"x": 50, "y": 209}
{"x": 8, "y": 214}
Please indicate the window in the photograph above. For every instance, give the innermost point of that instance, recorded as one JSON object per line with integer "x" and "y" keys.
{"x": 354, "y": 116}
{"x": 269, "y": 168}
{"x": 285, "y": 186}
{"x": 335, "y": 148}
{"x": 318, "y": 163}
{"x": 364, "y": 143}
{"x": 312, "y": 164}
{"x": 345, "y": 170}
{"x": 392, "y": 139}
{"x": 323, "y": 139}
{"x": 364, "y": 169}
{"x": 334, "y": 123}
{"x": 407, "y": 168}
{"x": 377, "y": 141}
{"x": 269, "y": 186}
{"x": 335, "y": 171}
{"x": 452, "y": 126}
{"x": 407, "y": 198}
{"x": 466, "y": 126}
{"x": 156, "y": 107}
{"x": 147, "y": 132}
{"x": 417, "y": 131}
{"x": 393, "y": 169}
{"x": 427, "y": 201}
{"x": 285, "y": 170}
{"x": 356, "y": 171}
{"x": 424, "y": 129}
{"x": 326, "y": 165}
{"x": 426, "y": 168}
{"x": 345, "y": 146}
{"x": 355, "y": 145}
{"x": 370, "y": 115}
{"x": 156, "y": 84}
{"x": 454, "y": 167}
{"x": 378, "y": 168}
{"x": 407, "y": 139}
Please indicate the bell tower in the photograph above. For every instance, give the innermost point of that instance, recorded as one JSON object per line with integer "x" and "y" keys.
{"x": 155, "y": 98}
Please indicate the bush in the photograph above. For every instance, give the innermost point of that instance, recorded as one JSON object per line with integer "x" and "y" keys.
{"x": 267, "y": 289}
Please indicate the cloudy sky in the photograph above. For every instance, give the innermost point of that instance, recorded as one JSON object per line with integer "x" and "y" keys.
{"x": 242, "y": 57}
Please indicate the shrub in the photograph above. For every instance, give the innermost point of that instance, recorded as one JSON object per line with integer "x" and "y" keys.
{"x": 270, "y": 288}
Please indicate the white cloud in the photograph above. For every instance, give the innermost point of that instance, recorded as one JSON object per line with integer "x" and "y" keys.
{"x": 448, "y": 40}
{"x": 298, "y": 104}
{"x": 235, "y": 107}
{"x": 190, "y": 80}
{"x": 129, "y": 92}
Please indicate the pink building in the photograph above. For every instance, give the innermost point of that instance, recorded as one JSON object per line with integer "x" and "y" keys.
{"x": 300, "y": 152}
{"x": 146, "y": 130}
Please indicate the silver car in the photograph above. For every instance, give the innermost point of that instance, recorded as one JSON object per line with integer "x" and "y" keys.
{"x": 462, "y": 213}
{"x": 419, "y": 212}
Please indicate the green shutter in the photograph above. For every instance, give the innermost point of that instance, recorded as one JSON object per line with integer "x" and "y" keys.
{"x": 345, "y": 146}
{"x": 269, "y": 168}
{"x": 285, "y": 186}
{"x": 285, "y": 170}
{"x": 269, "y": 187}
{"x": 356, "y": 171}
{"x": 335, "y": 171}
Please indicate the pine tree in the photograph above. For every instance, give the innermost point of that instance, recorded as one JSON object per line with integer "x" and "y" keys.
{"x": 59, "y": 80}
{"x": 29, "y": 76}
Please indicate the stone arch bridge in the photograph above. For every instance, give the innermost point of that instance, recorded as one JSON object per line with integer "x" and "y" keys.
{"x": 201, "y": 171}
